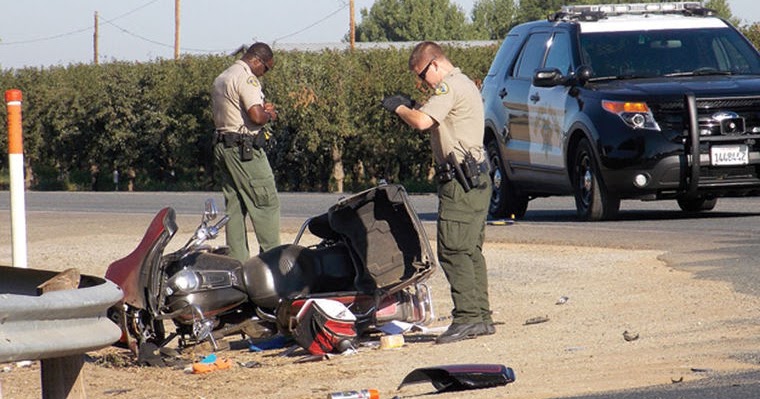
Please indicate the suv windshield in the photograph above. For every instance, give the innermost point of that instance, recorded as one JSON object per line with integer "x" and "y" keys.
{"x": 676, "y": 52}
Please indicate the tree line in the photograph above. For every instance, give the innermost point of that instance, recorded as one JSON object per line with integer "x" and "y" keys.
{"x": 413, "y": 20}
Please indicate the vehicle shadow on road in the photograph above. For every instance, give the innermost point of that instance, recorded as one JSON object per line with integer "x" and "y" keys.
{"x": 633, "y": 215}
{"x": 735, "y": 385}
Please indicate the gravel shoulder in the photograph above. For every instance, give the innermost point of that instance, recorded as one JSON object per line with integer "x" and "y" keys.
{"x": 687, "y": 328}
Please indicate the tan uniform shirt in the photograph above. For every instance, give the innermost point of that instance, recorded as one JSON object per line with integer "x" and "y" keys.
{"x": 458, "y": 109}
{"x": 235, "y": 91}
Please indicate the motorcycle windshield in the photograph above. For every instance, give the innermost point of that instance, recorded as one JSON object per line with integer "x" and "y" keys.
{"x": 140, "y": 270}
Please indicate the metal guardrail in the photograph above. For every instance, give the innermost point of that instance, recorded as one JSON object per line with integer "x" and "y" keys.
{"x": 57, "y": 323}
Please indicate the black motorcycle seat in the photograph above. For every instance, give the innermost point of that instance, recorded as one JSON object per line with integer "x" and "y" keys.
{"x": 292, "y": 270}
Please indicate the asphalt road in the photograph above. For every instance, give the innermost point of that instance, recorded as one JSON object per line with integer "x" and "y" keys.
{"x": 720, "y": 244}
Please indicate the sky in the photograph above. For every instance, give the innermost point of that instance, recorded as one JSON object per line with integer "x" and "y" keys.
{"x": 42, "y": 33}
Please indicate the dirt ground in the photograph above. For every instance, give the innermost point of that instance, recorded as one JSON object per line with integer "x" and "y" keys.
{"x": 687, "y": 328}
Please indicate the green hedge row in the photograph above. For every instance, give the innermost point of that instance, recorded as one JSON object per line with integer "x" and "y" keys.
{"x": 82, "y": 122}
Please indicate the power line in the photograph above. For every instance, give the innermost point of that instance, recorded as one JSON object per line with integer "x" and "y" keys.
{"x": 133, "y": 11}
{"x": 138, "y": 36}
{"x": 314, "y": 24}
{"x": 124, "y": 30}
{"x": 74, "y": 32}
{"x": 42, "y": 39}
{"x": 110, "y": 22}
{"x": 128, "y": 32}
{"x": 146, "y": 39}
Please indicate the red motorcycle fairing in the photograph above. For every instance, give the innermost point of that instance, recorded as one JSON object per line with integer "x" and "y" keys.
{"x": 132, "y": 273}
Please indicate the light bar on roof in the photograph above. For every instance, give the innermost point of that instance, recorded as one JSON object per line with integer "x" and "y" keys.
{"x": 632, "y": 8}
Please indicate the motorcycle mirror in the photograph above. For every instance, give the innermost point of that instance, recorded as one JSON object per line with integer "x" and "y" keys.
{"x": 210, "y": 211}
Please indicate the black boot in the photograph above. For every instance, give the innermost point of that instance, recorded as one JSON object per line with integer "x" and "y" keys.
{"x": 460, "y": 331}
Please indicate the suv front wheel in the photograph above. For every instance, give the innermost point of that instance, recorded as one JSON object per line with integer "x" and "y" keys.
{"x": 592, "y": 200}
{"x": 697, "y": 204}
{"x": 505, "y": 199}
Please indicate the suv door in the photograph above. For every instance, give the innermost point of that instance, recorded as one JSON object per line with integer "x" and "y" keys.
{"x": 517, "y": 87}
{"x": 546, "y": 117}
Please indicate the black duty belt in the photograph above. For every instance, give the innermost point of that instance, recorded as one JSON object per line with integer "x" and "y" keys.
{"x": 231, "y": 139}
{"x": 446, "y": 172}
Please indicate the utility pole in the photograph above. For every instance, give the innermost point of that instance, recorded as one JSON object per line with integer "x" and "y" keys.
{"x": 176, "y": 29}
{"x": 95, "y": 41}
{"x": 352, "y": 30}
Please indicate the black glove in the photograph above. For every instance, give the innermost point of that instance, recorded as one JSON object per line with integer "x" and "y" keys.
{"x": 392, "y": 102}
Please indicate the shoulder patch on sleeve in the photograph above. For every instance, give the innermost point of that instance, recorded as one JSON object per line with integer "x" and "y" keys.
{"x": 442, "y": 89}
{"x": 252, "y": 81}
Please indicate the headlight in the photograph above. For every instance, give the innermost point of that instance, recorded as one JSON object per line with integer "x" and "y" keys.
{"x": 185, "y": 281}
{"x": 635, "y": 114}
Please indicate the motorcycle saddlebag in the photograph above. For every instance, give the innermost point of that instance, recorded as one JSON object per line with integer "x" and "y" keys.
{"x": 324, "y": 326}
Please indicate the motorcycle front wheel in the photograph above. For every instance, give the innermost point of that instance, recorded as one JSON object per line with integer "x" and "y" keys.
{"x": 144, "y": 328}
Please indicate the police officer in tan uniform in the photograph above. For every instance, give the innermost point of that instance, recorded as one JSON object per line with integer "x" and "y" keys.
{"x": 454, "y": 118}
{"x": 240, "y": 112}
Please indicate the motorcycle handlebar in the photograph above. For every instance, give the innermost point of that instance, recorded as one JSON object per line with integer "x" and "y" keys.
{"x": 214, "y": 230}
{"x": 204, "y": 233}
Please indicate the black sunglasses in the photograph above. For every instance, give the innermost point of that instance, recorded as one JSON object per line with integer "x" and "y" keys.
{"x": 266, "y": 67}
{"x": 424, "y": 70}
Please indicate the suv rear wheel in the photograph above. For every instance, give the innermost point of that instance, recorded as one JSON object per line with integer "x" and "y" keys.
{"x": 505, "y": 200}
{"x": 592, "y": 200}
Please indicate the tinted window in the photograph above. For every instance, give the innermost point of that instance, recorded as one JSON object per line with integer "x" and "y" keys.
{"x": 559, "y": 53}
{"x": 507, "y": 49}
{"x": 662, "y": 52}
{"x": 532, "y": 55}
{"x": 732, "y": 57}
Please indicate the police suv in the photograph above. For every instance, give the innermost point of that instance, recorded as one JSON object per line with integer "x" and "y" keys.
{"x": 626, "y": 101}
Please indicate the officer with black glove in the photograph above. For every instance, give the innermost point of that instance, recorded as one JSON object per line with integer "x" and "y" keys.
{"x": 453, "y": 117}
{"x": 392, "y": 102}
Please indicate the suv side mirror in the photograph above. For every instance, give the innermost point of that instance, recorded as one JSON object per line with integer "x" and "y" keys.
{"x": 548, "y": 77}
{"x": 583, "y": 73}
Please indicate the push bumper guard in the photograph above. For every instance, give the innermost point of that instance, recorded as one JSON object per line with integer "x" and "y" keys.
{"x": 694, "y": 156}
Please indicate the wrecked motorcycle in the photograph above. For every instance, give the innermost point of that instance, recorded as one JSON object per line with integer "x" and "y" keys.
{"x": 369, "y": 252}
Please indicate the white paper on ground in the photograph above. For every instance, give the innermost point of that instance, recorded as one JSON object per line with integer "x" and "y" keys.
{"x": 400, "y": 327}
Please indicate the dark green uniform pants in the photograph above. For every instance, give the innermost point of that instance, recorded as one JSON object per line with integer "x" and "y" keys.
{"x": 249, "y": 190}
{"x": 461, "y": 231}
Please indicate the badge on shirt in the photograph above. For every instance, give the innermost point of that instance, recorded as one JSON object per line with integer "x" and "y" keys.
{"x": 441, "y": 89}
{"x": 253, "y": 81}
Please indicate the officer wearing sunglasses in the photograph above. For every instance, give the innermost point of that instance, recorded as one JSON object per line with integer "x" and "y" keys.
{"x": 453, "y": 116}
{"x": 240, "y": 113}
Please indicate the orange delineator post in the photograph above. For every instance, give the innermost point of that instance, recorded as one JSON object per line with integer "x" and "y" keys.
{"x": 15, "y": 140}
{"x": 16, "y": 163}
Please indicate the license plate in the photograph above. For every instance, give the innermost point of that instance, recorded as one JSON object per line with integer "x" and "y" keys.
{"x": 721, "y": 155}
